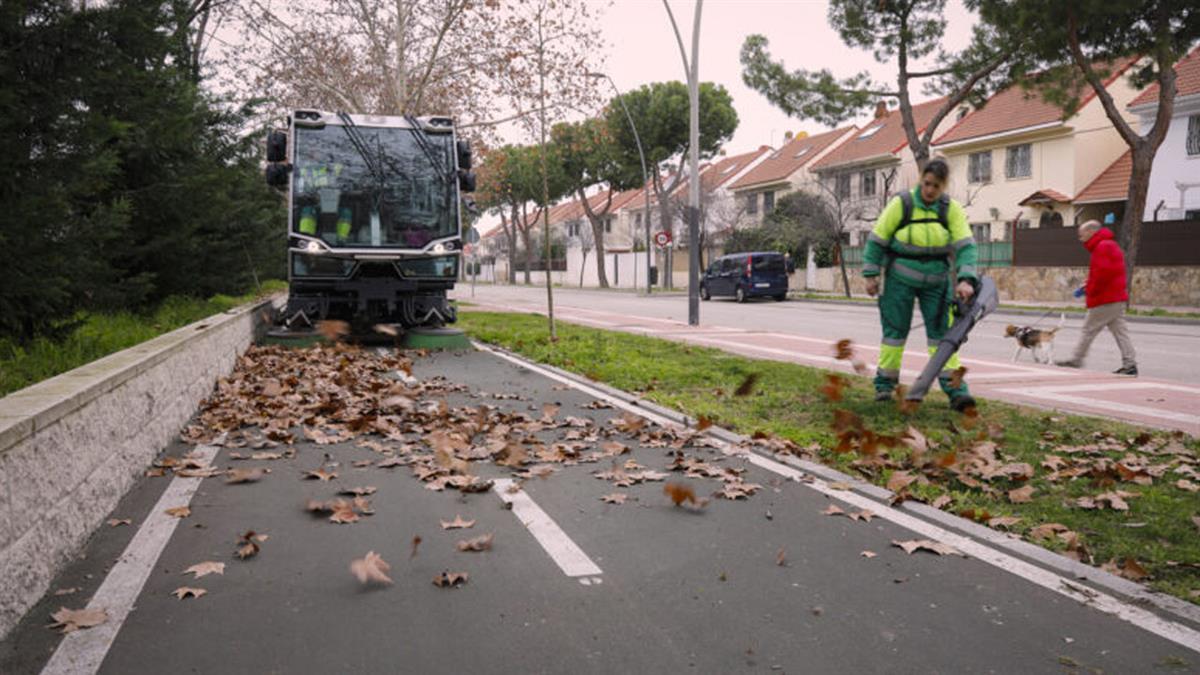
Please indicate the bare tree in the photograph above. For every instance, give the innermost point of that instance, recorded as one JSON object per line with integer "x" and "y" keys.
{"x": 587, "y": 242}
{"x": 843, "y": 209}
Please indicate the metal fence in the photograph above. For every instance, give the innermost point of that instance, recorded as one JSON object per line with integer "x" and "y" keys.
{"x": 991, "y": 254}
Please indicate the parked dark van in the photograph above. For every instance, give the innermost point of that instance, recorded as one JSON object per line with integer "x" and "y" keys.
{"x": 746, "y": 275}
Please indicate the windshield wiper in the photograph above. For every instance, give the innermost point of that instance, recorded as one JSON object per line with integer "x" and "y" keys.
{"x": 423, "y": 142}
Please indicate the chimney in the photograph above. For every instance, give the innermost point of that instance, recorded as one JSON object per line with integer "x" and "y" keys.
{"x": 787, "y": 135}
{"x": 881, "y": 110}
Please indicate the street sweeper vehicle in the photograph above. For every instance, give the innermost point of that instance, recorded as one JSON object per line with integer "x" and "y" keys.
{"x": 374, "y": 217}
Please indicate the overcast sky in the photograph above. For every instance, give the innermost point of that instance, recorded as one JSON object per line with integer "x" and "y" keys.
{"x": 641, "y": 49}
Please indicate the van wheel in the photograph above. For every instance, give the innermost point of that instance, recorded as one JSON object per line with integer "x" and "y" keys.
{"x": 740, "y": 294}
{"x": 781, "y": 297}
{"x": 704, "y": 295}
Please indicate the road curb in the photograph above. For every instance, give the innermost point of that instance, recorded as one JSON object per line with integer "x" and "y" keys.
{"x": 1174, "y": 320}
{"x": 1130, "y": 591}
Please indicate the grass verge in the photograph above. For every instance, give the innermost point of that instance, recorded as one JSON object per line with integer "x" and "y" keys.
{"x": 1159, "y": 531}
{"x": 99, "y": 335}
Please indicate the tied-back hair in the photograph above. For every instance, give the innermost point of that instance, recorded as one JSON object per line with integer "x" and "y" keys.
{"x": 938, "y": 167}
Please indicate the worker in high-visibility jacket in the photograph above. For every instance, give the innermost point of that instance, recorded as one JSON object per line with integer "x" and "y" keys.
{"x": 922, "y": 245}
{"x": 314, "y": 178}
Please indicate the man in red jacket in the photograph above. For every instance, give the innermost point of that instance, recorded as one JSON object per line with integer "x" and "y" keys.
{"x": 1106, "y": 297}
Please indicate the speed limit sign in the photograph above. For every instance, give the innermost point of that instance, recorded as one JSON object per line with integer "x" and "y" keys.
{"x": 662, "y": 238}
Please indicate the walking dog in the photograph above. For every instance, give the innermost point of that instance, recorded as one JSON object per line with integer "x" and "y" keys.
{"x": 1039, "y": 341}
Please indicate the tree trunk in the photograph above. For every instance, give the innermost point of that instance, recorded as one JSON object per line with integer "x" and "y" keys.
{"x": 582, "y": 265}
{"x": 598, "y": 239}
{"x": 510, "y": 236}
{"x": 664, "y": 208}
{"x": 842, "y": 262}
{"x": 1135, "y": 207}
{"x": 528, "y": 255}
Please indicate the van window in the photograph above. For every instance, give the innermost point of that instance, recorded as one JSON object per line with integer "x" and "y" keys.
{"x": 769, "y": 263}
{"x": 729, "y": 264}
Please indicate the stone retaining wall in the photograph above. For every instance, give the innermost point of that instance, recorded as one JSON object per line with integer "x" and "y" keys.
{"x": 1177, "y": 286}
{"x": 71, "y": 446}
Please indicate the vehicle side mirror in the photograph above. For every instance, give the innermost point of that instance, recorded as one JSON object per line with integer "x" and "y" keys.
{"x": 277, "y": 174}
{"x": 466, "y": 181}
{"x": 277, "y": 146}
{"x": 464, "y": 155}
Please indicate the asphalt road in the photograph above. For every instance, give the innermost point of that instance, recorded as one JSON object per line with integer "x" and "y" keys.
{"x": 672, "y": 590}
{"x": 1166, "y": 351}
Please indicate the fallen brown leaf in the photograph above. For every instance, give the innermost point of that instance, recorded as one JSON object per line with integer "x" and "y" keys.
{"x": 1022, "y": 495}
{"x": 900, "y": 480}
{"x": 1185, "y": 484}
{"x": 450, "y": 579}
{"x": 868, "y": 554}
{"x": 747, "y": 385}
{"x": 248, "y": 544}
{"x": 781, "y": 558}
{"x": 66, "y": 591}
{"x": 864, "y": 515}
{"x": 71, "y": 620}
{"x": 703, "y": 423}
{"x": 179, "y": 511}
{"x": 361, "y": 491}
{"x": 481, "y": 543}
{"x": 188, "y": 592}
{"x": 320, "y": 474}
{"x": 679, "y": 493}
{"x": 333, "y": 330}
{"x": 457, "y": 523}
{"x": 205, "y": 568}
{"x": 117, "y": 522}
{"x": 614, "y": 498}
{"x": 912, "y": 545}
{"x": 416, "y": 542}
{"x": 1003, "y": 522}
{"x": 833, "y": 510}
{"x": 234, "y": 476}
{"x": 371, "y": 569}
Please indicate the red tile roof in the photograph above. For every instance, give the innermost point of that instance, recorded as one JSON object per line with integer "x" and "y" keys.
{"x": 789, "y": 159}
{"x": 1045, "y": 195}
{"x": 1112, "y": 185}
{"x": 724, "y": 169}
{"x": 879, "y": 137}
{"x": 1016, "y": 108}
{"x": 1187, "y": 80}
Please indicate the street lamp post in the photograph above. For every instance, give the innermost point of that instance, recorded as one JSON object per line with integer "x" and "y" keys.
{"x": 645, "y": 176}
{"x": 692, "y": 68}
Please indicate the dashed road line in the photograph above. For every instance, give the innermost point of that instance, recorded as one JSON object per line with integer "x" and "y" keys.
{"x": 82, "y": 652}
{"x": 566, "y": 553}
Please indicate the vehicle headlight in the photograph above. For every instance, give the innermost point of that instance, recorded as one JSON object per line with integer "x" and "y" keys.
{"x": 313, "y": 247}
{"x": 440, "y": 248}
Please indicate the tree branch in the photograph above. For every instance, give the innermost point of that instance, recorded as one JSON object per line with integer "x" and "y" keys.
{"x": 1127, "y": 133}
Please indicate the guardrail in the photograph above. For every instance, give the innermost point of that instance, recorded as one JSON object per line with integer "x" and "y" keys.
{"x": 71, "y": 446}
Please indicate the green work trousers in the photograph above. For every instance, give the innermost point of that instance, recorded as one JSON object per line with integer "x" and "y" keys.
{"x": 895, "y": 312}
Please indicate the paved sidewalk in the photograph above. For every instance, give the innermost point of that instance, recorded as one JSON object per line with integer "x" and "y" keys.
{"x": 1145, "y": 401}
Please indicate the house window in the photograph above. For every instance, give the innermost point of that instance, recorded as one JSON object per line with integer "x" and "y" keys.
{"x": 573, "y": 229}
{"x": 752, "y": 203}
{"x": 979, "y": 167}
{"x": 637, "y": 219}
{"x": 1193, "y": 136}
{"x": 843, "y": 186}
{"x": 768, "y": 201}
{"x": 867, "y": 180}
{"x": 608, "y": 225}
{"x": 1017, "y": 163}
{"x": 981, "y": 231}
{"x": 1050, "y": 219}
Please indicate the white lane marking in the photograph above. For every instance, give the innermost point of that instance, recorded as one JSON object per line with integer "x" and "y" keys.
{"x": 1052, "y": 394}
{"x": 83, "y": 651}
{"x": 1116, "y": 385}
{"x": 569, "y": 557}
{"x": 1175, "y": 632}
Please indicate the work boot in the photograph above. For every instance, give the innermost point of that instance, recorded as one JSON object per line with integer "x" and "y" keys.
{"x": 1069, "y": 363}
{"x": 1127, "y": 370}
{"x": 882, "y": 395}
{"x": 962, "y": 403}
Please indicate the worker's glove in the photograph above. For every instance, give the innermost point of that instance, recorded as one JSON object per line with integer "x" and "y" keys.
{"x": 873, "y": 286}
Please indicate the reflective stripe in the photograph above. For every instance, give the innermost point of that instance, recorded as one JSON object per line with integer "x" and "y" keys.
{"x": 963, "y": 243}
{"x": 890, "y": 357}
{"x": 893, "y": 342}
{"x": 888, "y": 373}
{"x": 931, "y": 344}
{"x": 900, "y": 268}
{"x": 308, "y": 220}
{"x": 870, "y": 270}
{"x": 967, "y": 271}
{"x": 877, "y": 239}
{"x": 905, "y": 247}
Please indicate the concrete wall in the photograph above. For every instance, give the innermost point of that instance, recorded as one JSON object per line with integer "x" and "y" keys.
{"x": 71, "y": 446}
{"x": 1177, "y": 286}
